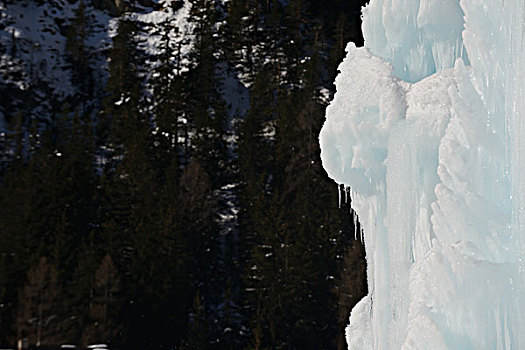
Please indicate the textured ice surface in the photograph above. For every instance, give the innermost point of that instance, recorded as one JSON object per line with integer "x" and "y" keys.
{"x": 426, "y": 128}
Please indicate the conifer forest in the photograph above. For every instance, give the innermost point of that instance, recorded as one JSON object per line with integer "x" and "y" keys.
{"x": 160, "y": 178}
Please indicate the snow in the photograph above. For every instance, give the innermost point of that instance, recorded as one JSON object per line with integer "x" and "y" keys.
{"x": 177, "y": 19}
{"x": 33, "y": 44}
{"x": 426, "y": 129}
{"x": 40, "y": 40}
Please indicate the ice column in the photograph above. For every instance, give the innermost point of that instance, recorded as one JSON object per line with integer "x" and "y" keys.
{"x": 426, "y": 127}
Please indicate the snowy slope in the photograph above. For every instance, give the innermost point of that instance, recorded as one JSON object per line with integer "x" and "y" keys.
{"x": 36, "y": 29}
{"x": 33, "y": 36}
{"x": 425, "y": 127}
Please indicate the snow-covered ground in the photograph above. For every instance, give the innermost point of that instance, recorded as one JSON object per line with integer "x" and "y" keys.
{"x": 37, "y": 32}
{"x": 33, "y": 39}
{"x": 426, "y": 127}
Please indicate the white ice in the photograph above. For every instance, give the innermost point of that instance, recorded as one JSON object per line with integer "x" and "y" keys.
{"x": 426, "y": 128}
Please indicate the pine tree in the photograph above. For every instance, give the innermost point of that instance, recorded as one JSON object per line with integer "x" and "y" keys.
{"x": 71, "y": 181}
{"x": 37, "y": 316}
{"x": 170, "y": 101}
{"x": 241, "y": 38}
{"x": 197, "y": 220}
{"x": 129, "y": 181}
{"x": 77, "y": 293}
{"x": 208, "y": 111}
{"x": 121, "y": 107}
{"x": 255, "y": 138}
{"x": 269, "y": 275}
{"x": 105, "y": 305}
{"x": 197, "y": 335}
{"x": 79, "y": 54}
{"x": 19, "y": 238}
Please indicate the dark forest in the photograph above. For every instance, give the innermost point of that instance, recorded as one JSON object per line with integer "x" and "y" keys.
{"x": 174, "y": 198}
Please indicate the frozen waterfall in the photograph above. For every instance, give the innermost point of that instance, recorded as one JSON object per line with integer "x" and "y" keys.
{"x": 427, "y": 128}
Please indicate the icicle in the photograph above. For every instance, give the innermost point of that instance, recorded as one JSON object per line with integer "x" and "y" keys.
{"x": 340, "y": 193}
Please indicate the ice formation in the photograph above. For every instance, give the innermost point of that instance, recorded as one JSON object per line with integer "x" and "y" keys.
{"x": 426, "y": 127}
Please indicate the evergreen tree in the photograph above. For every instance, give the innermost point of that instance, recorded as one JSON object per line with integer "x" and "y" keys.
{"x": 208, "y": 110}
{"x": 20, "y": 233}
{"x": 269, "y": 276}
{"x": 121, "y": 107}
{"x": 105, "y": 305}
{"x": 241, "y": 38}
{"x": 198, "y": 330}
{"x": 37, "y": 310}
{"x": 169, "y": 99}
{"x": 79, "y": 54}
{"x": 128, "y": 181}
